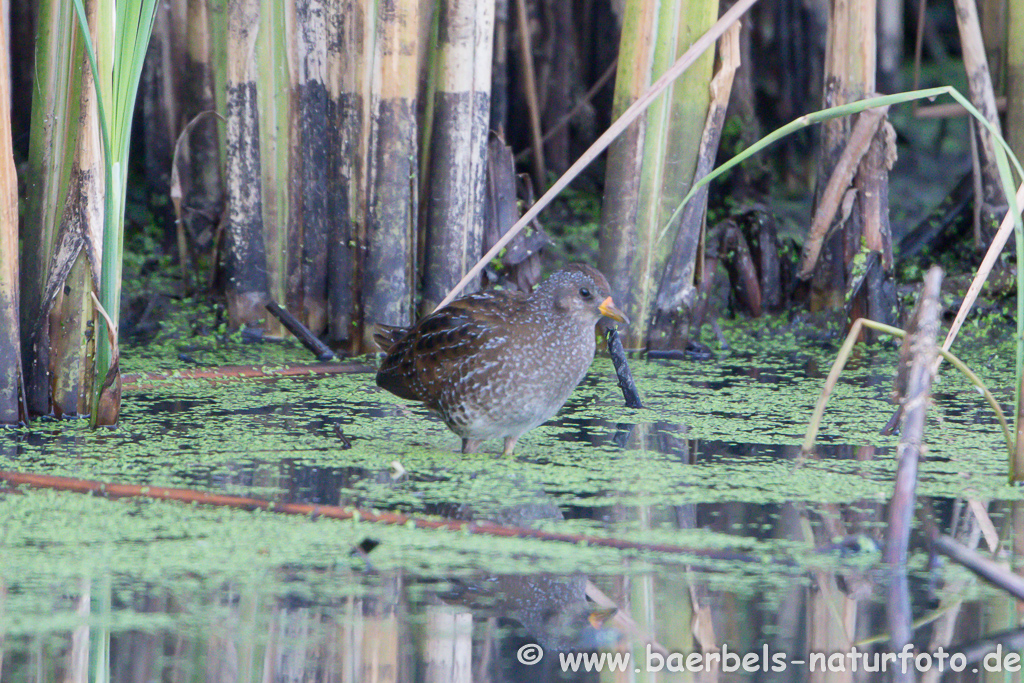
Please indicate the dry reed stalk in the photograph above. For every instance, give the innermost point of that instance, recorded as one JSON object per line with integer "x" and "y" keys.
{"x": 993, "y": 572}
{"x": 202, "y": 190}
{"x": 12, "y": 385}
{"x": 458, "y": 146}
{"x": 992, "y": 202}
{"x": 951, "y": 109}
{"x": 849, "y": 76}
{"x": 308, "y": 233}
{"x": 913, "y": 386}
{"x": 225, "y": 373}
{"x": 485, "y": 528}
{"x": 345, "y": 50}
{"x": 838, "y": 185}
{"x": 247, "y": 288}
{"x": 529, "y": 76}
{"x": 1015, "y": 78}
{"x": 388, "y": 273}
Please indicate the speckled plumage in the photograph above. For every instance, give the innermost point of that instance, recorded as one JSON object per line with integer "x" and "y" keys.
{"x": 499, "y": 363}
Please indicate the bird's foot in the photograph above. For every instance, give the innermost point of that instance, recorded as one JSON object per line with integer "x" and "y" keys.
{"x": 510, "y": 444}
{"x": 470, "y": 445}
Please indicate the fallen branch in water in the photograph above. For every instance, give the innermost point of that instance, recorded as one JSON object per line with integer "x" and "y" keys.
{"x": 111, "y": 490}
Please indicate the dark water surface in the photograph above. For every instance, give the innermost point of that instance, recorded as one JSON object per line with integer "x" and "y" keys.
{"x": 146, "y": 590}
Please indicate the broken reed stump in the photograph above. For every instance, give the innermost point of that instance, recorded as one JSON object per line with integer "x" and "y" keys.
{"x": 346, "y": 58}
{"x": 913, "y": 386}
{"x": 389, "y": 262}
{"x": 202, "y": 187}
{"x": 246, "y": 263}
{"x": 310, "y": 136}
{"x": 458, "y": 147}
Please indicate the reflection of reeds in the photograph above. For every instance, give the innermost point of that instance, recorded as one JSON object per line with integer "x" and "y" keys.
{"x": 448, "y": 646}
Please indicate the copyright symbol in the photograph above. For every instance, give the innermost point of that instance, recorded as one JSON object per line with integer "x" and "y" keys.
{"x": 530, "y": 654}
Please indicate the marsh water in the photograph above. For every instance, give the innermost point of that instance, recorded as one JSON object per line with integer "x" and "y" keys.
{"x": 785, "y": 564}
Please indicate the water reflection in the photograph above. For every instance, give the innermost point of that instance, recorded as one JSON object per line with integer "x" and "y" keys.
{"x": 815, "y": 586}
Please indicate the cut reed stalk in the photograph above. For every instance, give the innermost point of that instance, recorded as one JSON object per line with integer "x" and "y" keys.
{"x": 849, "y": 76}
{"x": 247, "y": 286}
{"x": 202, "y": 191}
{"x": 387, "y": 282}
{"x": 283, "y": 249}
{"x": 345, "y": 64}
{"x": 12, "y": 388}
{"x": 458, "y": 149}
{"x": 310, "y": 155}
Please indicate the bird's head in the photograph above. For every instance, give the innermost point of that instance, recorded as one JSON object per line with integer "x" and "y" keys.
{"x": 582, "y": 293}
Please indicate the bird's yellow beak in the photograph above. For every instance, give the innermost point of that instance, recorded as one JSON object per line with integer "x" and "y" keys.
{"x": 607, "y": 308}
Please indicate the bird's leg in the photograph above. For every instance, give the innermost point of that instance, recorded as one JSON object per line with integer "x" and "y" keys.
{"x": 470, "y": 445}
{"x": 510, "y": 444}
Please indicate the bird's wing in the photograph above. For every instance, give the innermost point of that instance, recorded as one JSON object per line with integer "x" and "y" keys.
{"x": 387, "y": 335}
{"x": 434, "y": 352}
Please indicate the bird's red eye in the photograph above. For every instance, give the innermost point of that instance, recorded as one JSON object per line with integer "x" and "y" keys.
{"x": 584, "y": 292}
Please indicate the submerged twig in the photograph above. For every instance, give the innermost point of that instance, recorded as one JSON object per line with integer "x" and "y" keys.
{"x": 113, "y": 490}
